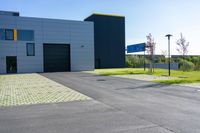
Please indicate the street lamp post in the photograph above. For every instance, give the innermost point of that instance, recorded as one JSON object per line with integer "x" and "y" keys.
{"x": 169, "y": 60}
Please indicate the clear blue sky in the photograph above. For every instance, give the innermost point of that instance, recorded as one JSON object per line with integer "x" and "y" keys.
{"x": 158, "y": 17}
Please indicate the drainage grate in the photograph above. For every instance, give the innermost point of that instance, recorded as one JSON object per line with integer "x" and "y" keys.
{"x": 101, "y": 80}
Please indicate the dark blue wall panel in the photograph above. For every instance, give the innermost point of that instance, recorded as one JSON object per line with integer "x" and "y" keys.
{"x": 109, "y": 36}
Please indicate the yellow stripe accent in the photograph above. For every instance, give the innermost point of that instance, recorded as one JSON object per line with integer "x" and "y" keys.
{"x": 15, "y": 34}
{"x": 111, "y": 15}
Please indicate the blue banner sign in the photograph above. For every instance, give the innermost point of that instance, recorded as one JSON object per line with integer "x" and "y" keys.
{"x": 136, "y": 48}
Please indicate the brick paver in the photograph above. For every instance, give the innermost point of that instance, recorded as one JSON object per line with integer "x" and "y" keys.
{"x": 25, "y": 89}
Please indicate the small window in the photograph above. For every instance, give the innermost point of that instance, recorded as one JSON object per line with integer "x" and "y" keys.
{"x": 2, "y": 34}
{"x": 30, "y": 48}
{"x": 9, "y": 34}
{"x": 25, "y": 35}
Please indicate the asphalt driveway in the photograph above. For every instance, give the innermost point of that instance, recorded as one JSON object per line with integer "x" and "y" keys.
{"x": 119, "y": 106}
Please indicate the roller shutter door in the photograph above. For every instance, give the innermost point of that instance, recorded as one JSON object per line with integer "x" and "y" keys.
{"x": 56, "y": 57}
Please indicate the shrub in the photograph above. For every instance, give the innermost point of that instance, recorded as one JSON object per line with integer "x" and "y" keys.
{"x": 186, "y": 65}
{"x": 134, "y": 61}
{"x": 196, "y": 61}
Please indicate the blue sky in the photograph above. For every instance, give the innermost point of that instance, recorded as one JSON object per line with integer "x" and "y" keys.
{"x": 158, "y": 17}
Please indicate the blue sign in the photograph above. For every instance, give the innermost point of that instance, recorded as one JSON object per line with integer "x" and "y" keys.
{"x": 136, "y": 48}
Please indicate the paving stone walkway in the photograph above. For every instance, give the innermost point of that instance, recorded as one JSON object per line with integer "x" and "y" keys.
{"x": 26, "y": 89}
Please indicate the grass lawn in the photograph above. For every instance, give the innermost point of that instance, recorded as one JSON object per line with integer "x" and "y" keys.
{"x": 182, "y": 77}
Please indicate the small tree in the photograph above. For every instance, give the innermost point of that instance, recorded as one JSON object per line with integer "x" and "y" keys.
{"x": 182, "y": 46}
{"x": 150, "y": 47}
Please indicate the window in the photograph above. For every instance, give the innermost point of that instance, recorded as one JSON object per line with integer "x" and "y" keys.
{"x": 9, "y": 34}
{"x": 30, "y": 48}
{"x": 25, "y": 35}
{"x": 2, "y": 34}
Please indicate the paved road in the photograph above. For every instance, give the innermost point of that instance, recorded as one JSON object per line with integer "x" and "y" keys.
{"x": 118, "y": 106}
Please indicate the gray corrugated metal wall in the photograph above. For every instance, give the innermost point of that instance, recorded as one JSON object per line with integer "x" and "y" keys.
{"x": 78, "y": 34}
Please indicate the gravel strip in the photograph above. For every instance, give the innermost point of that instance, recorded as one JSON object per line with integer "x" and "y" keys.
{"x": 196, "y": 85}
{"x": 145, "y": 77}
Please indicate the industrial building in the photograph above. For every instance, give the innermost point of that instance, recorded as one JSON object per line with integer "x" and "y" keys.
{"x": 30, "y": 44}
{"x": 44, "y": 45}
{"x": 109, "y": 40}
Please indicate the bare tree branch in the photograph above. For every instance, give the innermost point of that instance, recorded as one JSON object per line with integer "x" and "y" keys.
{"x": 182, "y": 45}
{"x": 150, "y": 47}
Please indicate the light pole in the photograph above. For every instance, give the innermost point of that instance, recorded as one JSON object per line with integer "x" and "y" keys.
{"x": 169, "y": 60}
{"x": 144, "y": 57}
